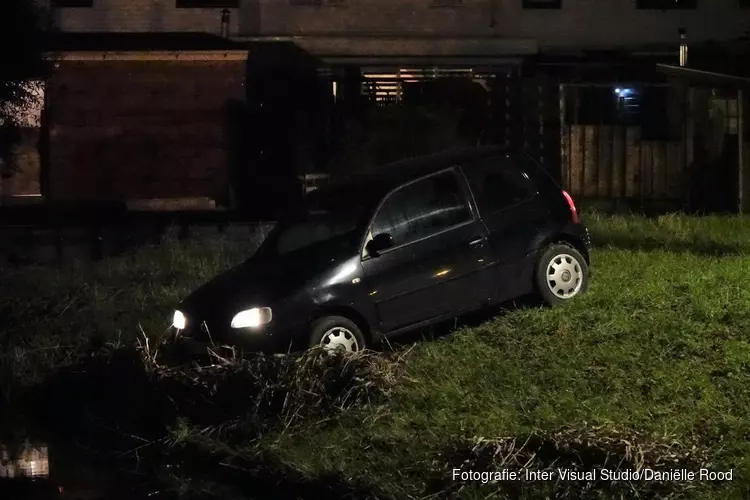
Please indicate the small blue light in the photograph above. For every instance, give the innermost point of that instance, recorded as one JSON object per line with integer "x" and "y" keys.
{"x": 624, "y": 92}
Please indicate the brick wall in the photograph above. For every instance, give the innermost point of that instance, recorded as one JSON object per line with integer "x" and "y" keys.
{"x": 140, "y": 129}
{"x": 140, "y": 16}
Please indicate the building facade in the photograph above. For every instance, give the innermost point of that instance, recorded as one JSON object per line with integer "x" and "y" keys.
{"x": 139, "y": 16}
{"x": 551, "y": 24}
{"x": 117, "y": 115}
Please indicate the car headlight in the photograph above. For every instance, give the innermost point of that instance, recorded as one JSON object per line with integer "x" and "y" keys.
{"x": 178, "y": 320}
{"x": 252, "y": 318}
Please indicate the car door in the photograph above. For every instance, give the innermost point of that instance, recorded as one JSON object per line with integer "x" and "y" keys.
{"x": 439, "y": 249}
{"x": 513, "y": 213}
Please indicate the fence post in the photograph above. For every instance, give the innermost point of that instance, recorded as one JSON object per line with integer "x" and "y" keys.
{"x": 184, "y": 232}
{"x": 158, "y": 229}
{"x": 59, "y": 243}
{"x": 689, "y": 145}
{"x": 564, "y": 162}
{"x": 741, "y": 149}
{"x": 97, "y": 250}
{"x": 28, "y": 243}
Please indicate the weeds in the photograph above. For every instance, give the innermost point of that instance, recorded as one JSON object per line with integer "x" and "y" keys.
{"x": 579, "y": 449}
{"x": 259, "y": 392}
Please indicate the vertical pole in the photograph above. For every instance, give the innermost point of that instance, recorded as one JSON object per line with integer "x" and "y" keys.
{"x": 640, "y": 172}
{"x": 540, "y": 102}
{"x": 508, "y": 138}
{"x": 225, "y": 20}
{"x": 741, "y": 151}
{"x": 59, "y": 243}
{"x": 686, "y": 156}
{"x": 683, "y": 47}
{"x": 2, "y": 167}
{"x": 97, "y": 248}
{"x": 564, "y": 162}
{"x": 653, "y": 173}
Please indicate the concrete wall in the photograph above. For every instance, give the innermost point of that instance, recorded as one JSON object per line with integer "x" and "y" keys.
{"x": 140, "y": 129}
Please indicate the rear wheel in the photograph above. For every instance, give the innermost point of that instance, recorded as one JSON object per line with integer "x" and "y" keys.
{"x": 561, "y": 274}
{"x": 337, "y": 332}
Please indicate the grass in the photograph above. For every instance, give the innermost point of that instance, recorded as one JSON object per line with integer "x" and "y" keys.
{"x": 51, "y": 318}
{"x": 650, "y": 368}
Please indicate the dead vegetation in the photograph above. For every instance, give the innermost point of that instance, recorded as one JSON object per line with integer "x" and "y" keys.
{"x": 582, "y": 450}
{"x": 253, "y": 393}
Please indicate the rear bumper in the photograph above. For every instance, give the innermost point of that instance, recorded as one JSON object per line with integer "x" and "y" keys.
{"x": 580, "y": 233}
{"x": 586, "y": 237}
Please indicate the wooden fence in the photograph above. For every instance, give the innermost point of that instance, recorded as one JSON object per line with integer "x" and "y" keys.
{"x": 666, "y": 146}
{"x": 613, "y": 161}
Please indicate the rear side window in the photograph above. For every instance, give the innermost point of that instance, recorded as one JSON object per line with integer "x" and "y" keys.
{"x": 498, "y": 184}
{"x": 422, "y": 209}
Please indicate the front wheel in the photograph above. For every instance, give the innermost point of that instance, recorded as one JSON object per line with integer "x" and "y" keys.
{"x": 337, "y": 333}
{"x": 561, "y": 274}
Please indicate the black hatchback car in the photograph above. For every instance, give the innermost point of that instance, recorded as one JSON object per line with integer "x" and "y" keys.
{"x": 382, "y": 253}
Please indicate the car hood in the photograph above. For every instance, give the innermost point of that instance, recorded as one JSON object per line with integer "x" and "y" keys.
{"x": 259, "y": 282}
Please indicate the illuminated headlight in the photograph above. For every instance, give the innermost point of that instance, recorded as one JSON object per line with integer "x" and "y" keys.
{"x": 252, "y": 318}
{"x": 178, "y": 321}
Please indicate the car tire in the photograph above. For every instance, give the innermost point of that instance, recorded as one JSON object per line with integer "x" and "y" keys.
{"x": 561, "y": 274}
{"x": 337, "y": 331}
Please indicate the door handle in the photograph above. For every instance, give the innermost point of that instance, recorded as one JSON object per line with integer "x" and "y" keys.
{"x": 476, "y": 242}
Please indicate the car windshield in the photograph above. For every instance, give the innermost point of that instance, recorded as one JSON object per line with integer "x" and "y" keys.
{"x": 315, "y": 229}
{"x": 326, "y": 221}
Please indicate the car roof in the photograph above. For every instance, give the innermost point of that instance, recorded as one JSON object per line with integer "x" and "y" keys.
{"x": 377, "y": 182}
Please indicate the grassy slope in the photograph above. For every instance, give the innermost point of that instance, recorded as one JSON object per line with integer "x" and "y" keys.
{"x": 658, "y": 346}
{"x": 49, "y": 317}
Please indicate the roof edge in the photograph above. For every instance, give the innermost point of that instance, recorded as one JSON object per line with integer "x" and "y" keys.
{"x": 148, "y": 55}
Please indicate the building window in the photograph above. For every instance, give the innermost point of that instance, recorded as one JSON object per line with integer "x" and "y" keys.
{"x": 56, "y": 4}
{"x": 207, "y": 4}
{"x": 446, "y": 3}
{"x": 318, "y": 3}
{"x": 542, "y": 4}
{"x": 666, "y": 4}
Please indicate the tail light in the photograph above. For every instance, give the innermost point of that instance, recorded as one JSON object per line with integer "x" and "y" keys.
{"x": 572, "y": 206}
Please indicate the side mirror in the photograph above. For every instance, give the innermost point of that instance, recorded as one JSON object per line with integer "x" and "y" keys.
{"x": 380, "y": 242}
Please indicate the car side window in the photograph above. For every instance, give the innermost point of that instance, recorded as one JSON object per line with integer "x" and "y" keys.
{"x": 499, "y": 185}
{"x": 421, "y": 209}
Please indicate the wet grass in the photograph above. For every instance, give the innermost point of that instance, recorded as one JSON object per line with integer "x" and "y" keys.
{"x": 52, "y": 318}
{"x": 649, "y": 369}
